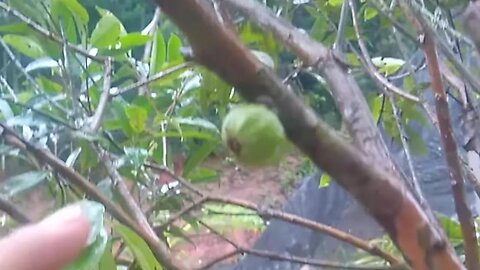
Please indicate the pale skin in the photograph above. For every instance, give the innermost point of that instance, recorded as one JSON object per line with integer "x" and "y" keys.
{"x": 50, "y": 244}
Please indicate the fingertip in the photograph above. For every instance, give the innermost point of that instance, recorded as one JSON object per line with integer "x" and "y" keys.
{"x": 48, "y": 245}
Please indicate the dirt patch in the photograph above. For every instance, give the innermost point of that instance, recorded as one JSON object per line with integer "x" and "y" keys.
{"x": 266, "y": 187}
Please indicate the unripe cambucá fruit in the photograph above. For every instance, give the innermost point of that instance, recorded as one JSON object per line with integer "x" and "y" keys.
{"x": 254, "y": 134}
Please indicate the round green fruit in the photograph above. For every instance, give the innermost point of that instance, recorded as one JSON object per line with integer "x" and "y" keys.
{"x": 254, "y": 134}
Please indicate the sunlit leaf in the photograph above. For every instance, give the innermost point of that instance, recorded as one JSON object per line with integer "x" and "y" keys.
{"x": 132, "y": 40}
{"x": 137, "y": 117}
{"x": 369, "y": 13}
{"x": 25, "y": 45}
{"x": 388, "y": 65}
{"x": 158, "y": 53}
{"x": 324, "y": 180}
{"x": 106, "y": 31}
{"x": 173, "y": 49}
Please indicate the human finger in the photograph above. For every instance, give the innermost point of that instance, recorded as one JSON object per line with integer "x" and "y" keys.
{"x": 48, "y": 245}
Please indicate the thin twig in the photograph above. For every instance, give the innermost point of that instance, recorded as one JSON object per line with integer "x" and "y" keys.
{"x": 153, "y": 78}
{"x": 292, "y": 259}
{"x": 105, "y": 96}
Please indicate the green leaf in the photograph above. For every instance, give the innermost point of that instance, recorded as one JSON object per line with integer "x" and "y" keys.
{"x": 451, "y": 228}
{"x": 15, "y": 28}
{"x": 107, "y": 262}
{"x": 138, "y": 247}
{"x": 184, "y": 135}
{"x": 388, "y": 65}
{"x": 22, "y": 182}
{"x": 48, "y": 85}
{"x": 376, "y": 105}
{"x": 30, "y": 9}
{"x": 320, "y": 28}
{"x": 77, "y": 11}
{"x": 173, "y": 49}
{"x": 97, "y": 239}
{"x": 198, "y": 122}
{"x": 106, "y": 31}
{"x": 158, "y": 53}
{"x": 24, "y": 45}
{"x": 72, "y": 16}
{"x": 417, "y": 145}
{"x": 352, "y": 59}
{"x": 369, "y": 13}
{"x": 137, "y": 118}
{"x": 335, "y": 3}
{"x": 325, "y": 180}
{"x": 132, "y": 40}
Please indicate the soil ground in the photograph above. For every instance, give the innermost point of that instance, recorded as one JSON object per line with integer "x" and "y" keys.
{"x": 265, "y": 187}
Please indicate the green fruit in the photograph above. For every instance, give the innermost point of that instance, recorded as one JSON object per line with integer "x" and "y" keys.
{"x": 254, "y": 134}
